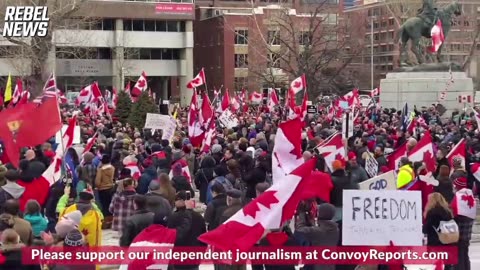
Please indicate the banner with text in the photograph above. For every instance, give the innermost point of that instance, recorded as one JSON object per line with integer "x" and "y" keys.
{"x": 157, "y": 121}
{"x": 386, "y": 181}
{"x": 376, "y": 217}
{"x": 169, "y": 131}
{"x": 227, "y": 119}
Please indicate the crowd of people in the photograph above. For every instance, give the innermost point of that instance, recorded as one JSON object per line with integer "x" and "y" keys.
{"x": 132, "y": 179}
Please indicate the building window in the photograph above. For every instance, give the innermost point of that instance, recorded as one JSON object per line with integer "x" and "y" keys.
{"x": 241, "y": 37}
{"x": 241, "y": 60}
{"x": 153, "y": 26}
{"x": 151, "y": 54}
{"x": 273, "y": 60}
{"x": 304, "y": 38}
{"x": 375, "y": 36}
{"x": 273, "y": 37}
{"x": 82, "y": 53}
{"x": 10, "y": 51}
{"x": 391, "y": 35}
{"x": 375, "y": 25}
{"x": 240, "y": 83}
{"x": 391, "y": 22}
{"x": 384, "y": 23}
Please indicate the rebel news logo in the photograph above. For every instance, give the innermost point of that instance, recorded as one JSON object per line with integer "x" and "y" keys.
{"x": 26, "y": 21}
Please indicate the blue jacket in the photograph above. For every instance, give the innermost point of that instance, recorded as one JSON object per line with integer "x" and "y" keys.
{"x": 147, "y": 176}
{"x": 38, "y": 222}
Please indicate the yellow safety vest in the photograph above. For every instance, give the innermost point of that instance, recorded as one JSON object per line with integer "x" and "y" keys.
{"x": 405, "y": 176}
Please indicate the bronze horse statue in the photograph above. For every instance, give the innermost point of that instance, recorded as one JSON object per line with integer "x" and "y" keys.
{"x": 415, "y": 28}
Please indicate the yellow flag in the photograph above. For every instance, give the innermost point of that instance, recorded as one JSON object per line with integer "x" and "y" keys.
{"x": 8, "y": 90}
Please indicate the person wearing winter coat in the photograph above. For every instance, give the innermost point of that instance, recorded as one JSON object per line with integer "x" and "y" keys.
{"x": 11, "y": 250}
{"x": 149, "y": 174}
{"x": 141, "y": 219}
{"x": 216, "y": 207}
{"x": 34, "y": 216}
{"x": 441, "y": 160}
{"x": 357, "y": 173}
{"x": 255, "y": 176}
{"x": 203, "y": 176}
{"x": 278, "y": 238}
{"x": 11, "y": 190}
{"x": 189, "y": 225}
{"x": 179, "y": 181}
{"x": 157, "y": 196}
{"x": 234, "y": 204}
{"x": 122, "y": 206}
{"x": 326, "y": 233}
{"x": 436, "y": 210}
{"x": 104, "y": 182}
{"x": 21, "y": 226}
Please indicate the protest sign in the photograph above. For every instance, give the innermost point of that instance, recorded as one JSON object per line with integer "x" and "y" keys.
{"x": 371, "y": 165}
{"x": 157, "y": 121}
{"x": 76, "y": 134}
{"x": 374, "y": 218}
{"x": 227, "y": 119}
{"x": 169, "y": 130}
{"x": 347, "y": 125}
{"x": 386, "y": 181}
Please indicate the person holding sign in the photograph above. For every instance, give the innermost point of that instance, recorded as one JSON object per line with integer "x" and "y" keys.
{"x": 436, "y": 211}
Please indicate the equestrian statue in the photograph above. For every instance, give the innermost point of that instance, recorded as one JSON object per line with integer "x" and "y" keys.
{"x": 421, "y": 25}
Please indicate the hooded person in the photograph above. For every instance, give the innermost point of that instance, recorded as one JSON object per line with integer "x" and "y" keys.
{"x": 148, "y": 175}
{"x": 204, "y": 175}
{"x": 179, "y": 181}
{"x": 326, "y": 233}
{"x": 11, "y": 190}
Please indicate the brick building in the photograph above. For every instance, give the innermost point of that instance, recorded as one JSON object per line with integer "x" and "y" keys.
{"x": 386, "y": 19}
{"x": 237, "y": 42}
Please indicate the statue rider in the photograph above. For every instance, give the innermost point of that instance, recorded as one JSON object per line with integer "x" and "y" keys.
{"x": 428, "y": 12}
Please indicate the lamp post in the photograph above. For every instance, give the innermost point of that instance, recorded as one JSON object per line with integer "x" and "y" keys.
{"x": 371, "y": 52}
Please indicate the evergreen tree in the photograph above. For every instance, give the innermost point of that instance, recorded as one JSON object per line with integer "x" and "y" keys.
{"x": 124, "y": 106}
{"x": 139, "y": 110}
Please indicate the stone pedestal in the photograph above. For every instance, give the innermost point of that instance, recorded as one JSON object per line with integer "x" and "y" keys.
{"x": 424, "y": 88}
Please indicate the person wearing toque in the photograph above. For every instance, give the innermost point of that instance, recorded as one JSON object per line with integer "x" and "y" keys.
{"x": 234, "y": 204}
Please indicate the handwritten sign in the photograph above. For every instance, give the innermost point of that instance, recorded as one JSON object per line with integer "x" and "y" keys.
{"x": 374, "y": 218}
{"x": 227, "y": 119}
{"x": 386, "y": 181}
{"x": 371, "y": 165}
{"x": 169, "y": 131}
{"x": 157, "y": 121}
{"x": 76, "y": 134}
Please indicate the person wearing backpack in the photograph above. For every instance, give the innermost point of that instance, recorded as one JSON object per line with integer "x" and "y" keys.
{"x": 220, "y": 173}
{"x": 437, "y": 211}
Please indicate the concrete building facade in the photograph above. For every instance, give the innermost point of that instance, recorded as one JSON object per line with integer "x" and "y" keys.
{"x": 123, "y": 39}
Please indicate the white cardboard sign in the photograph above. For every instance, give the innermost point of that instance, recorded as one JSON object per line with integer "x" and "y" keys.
{"x": 227, "y": 119}
{"x": 386, "y": 181}
{"x": 374, "y": 218}
{"x": 76, "y": 134}
{"x": 157, "y": 121}
{"x": 169, "y": 131}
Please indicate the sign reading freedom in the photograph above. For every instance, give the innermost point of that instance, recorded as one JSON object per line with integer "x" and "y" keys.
{"x": 376, "y": 217}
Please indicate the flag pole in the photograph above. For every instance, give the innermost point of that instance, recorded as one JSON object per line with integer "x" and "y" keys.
{"x": 61, "y": 133}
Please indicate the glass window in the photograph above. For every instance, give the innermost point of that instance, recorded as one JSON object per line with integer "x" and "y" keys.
{"x": 156, "y": 54}
{"x": 241, "y": 60}
{"x": 131, "y": 53}
{"x": 127, "y": 25}
{"x": 149, "y": 26}
{"x": 172, "y": 26}
{"x": 391, "y": 22}
{"x": 145, "y": 54}
{"x": 304, "y": 38}
{"x": 182, "y": 26}
{"x": 273, "y": 37}
{"x": 108, "y": 24}
{"x": 274, "y": 60}
{"x": 175, "y": 54}
{"x": 104, "y": 53}
{"x": 241, "y": 37}
{"x": 161, "y": 26}
{"x": 167, "y": 54}
{"x": 137, "y": 25}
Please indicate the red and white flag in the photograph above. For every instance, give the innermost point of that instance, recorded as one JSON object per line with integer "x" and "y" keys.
{"x": 333, "y": 149}
{"x": 85, "y": 95}
{"x": 423, "y": 151}
{"x": 437, "y": 37}
{"x": 475, "y": 170}
{"x": 464, "y": 204}
{"x": 375, "y": 92}
{"x": 90, "y": 143}
{"x": 206, "y": 113}
{"x": 352, "y": 98}
{"x": 24, "y": 98}
{"x": 298, "y": 84}
{"x": 153, "y": 236}
{"x": 256, "y": 97}
{"x": 459, "y": 151}
{"x": 395, "y": 157}
{"x": 114, "y": 98}
{"x": 234, "y": 105}
{"x": 199, "y": 80}
{"x": 209, "y": 135}
{"x": 287, "y": 150}
{"x": 464, "y": 99}
{"x": 135, "y": 172}
{"x": 268, "y": 211}
{"x": 17, "y": 94}
{"x": 185, "y": 170}
{"x": 195, "y": 129}
{"x": 50, "y": 90}
{"x": 225, "y": 104}
{"x": 272, "y": 100}
{"x": 139, "y": 87}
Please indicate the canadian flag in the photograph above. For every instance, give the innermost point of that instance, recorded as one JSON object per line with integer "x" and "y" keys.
{"x": 423, "y": 151}
{"x": 225, "y": 104}
{"x": 199, "y": 80}
{"x": 90, "y": 143}
{"x": 153, "y": 236}
{"x": 209, "y": 135}
{"x": 134, "y": 170}
{"x": 458, "y": 151}
{"x": 114, "y": 98}
{"x": 464, "y": 99}
{"x": 127, "y": 88}
{"x": 268, "y": 211}
{"x": 287, "y": 150}
{"x": 352, "y": 98}
{"x": 255, "y": 97}
{"x": 272, "y": 100}
{"x": 185, "y": 170}
{"x": 195, "y": 129}
{"x": 437, "y": 37}
{"x": 333, "y": 149}
{"x": 17, "y": 94}
{"x": 234, "y": 105}
{"x": 464, "y": 204}
{"x": 24, "y": 98}
{"x": 206, "y": 113}
{"x": 298, "y": 84}
{"x": 139, "y": 87}
{"x": 375, "y": 92}
{"x": 88, "y": 94}
{"x": 395, "y": 156}
{"x": 475, "y": 169}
